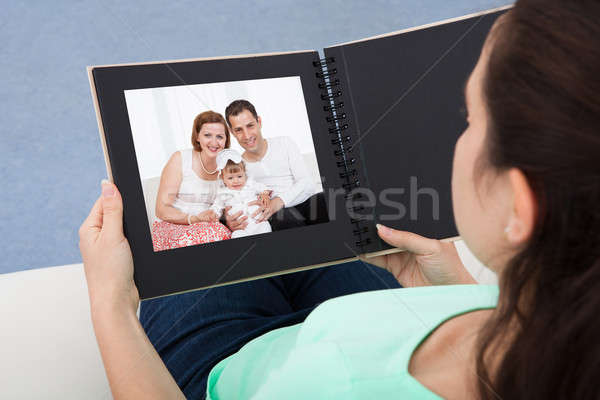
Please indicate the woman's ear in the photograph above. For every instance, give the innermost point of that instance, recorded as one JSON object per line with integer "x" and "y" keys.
{"x": 524, "y": 209}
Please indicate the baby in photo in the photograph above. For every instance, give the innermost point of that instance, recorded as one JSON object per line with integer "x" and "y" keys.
{"x": 239, "y": 190}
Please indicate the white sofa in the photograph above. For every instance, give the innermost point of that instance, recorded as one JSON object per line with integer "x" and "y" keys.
{"x": 47, "y": 344}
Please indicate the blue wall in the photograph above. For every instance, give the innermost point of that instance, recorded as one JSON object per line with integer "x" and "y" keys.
{"x": 52, "y": 162}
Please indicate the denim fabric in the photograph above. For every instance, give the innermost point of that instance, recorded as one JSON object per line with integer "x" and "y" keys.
{"x": 194, "y": 331}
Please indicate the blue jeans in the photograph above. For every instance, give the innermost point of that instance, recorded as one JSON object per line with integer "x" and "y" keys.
{"x": 194, "y": 331}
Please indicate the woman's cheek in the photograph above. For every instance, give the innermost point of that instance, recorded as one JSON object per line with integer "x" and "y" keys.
{"x": 459, "y": 174}
{"x": 201, "y": 141}
{"x": 457, "y": 155}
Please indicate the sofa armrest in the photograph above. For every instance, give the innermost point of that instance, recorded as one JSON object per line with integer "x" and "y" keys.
{"x": 48, "y": 346}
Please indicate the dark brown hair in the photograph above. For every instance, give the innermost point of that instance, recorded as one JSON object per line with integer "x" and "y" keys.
{"x": 542, "y": 92}
{"x": 232, "y": 167}
{"x": 204, "y": 118}
{"x": 237, "y": 106}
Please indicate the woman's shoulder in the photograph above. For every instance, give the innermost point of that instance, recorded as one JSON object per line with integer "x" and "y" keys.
{"x": 176, "y": 157}
{"x": 362, "y": 343}
{"x": 181, "y": 160}
{"x": 173, "y": 164}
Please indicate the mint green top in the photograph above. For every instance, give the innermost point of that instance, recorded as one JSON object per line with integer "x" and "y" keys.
{"x": 350, "y": 347}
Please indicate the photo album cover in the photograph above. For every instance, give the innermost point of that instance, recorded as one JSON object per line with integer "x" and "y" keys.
{"x": 243, "y": 167}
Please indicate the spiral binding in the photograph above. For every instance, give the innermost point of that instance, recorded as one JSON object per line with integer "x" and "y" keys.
{"x": 337, "y": 120}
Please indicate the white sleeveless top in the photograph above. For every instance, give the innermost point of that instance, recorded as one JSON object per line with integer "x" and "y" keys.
{"x": 195, "y": 194}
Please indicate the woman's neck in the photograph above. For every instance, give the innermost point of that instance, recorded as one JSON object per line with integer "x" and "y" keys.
{"x": 210, "y": 163}
{"x": 495, "y": 350}
{"x": 206, "y": 165}
{"x": 445, "y": 361}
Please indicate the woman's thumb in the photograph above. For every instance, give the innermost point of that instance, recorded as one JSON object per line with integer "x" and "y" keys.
{"x": 408, "y": 241}
{"x": 112, "y": 207}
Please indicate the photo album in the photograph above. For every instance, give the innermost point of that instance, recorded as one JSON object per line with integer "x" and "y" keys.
{"x": 244, "y": 167}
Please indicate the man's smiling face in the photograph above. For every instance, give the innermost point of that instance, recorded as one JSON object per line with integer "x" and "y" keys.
{"x": 246, "y": 130}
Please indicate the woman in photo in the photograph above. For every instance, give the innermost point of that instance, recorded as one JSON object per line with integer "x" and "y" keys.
{"x": 188, "y": 187}
{"x": 526, "y": 190}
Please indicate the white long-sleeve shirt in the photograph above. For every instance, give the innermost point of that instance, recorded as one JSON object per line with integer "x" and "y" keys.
{"x": 282, "y": 170}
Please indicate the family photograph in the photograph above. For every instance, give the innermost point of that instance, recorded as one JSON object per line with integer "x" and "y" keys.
{"x": 231, "y": 179}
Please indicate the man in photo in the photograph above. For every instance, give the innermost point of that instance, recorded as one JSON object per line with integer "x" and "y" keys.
{"x": 278, "y": 164}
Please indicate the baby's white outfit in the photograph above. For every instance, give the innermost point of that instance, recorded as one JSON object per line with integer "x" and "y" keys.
{"x": 238, "y": 200}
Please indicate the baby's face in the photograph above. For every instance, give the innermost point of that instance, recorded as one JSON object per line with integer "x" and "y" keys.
{"x": 234, "y": 180}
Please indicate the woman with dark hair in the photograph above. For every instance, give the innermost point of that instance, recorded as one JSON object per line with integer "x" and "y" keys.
{"x": 526, "y": 189}
{"x": 188, "y": 187}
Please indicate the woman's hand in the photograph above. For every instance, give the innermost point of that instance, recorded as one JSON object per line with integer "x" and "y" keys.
{"x": 205, "y": 216}
{"x": 133, "y": 367}
{"x": 423, "y": 262}
{"x": 106, "y": 254}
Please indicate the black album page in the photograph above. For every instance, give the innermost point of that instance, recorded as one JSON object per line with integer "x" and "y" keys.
{"x": 402, "y": 96}
{"x": 146, "y": 113}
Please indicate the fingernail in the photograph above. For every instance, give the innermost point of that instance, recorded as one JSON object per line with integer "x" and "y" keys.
{"x": 384, "y": 230}
{"x": 108, "y": 189}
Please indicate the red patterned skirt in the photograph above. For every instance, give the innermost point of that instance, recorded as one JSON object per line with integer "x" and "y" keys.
{"x": 166, "y": 236}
